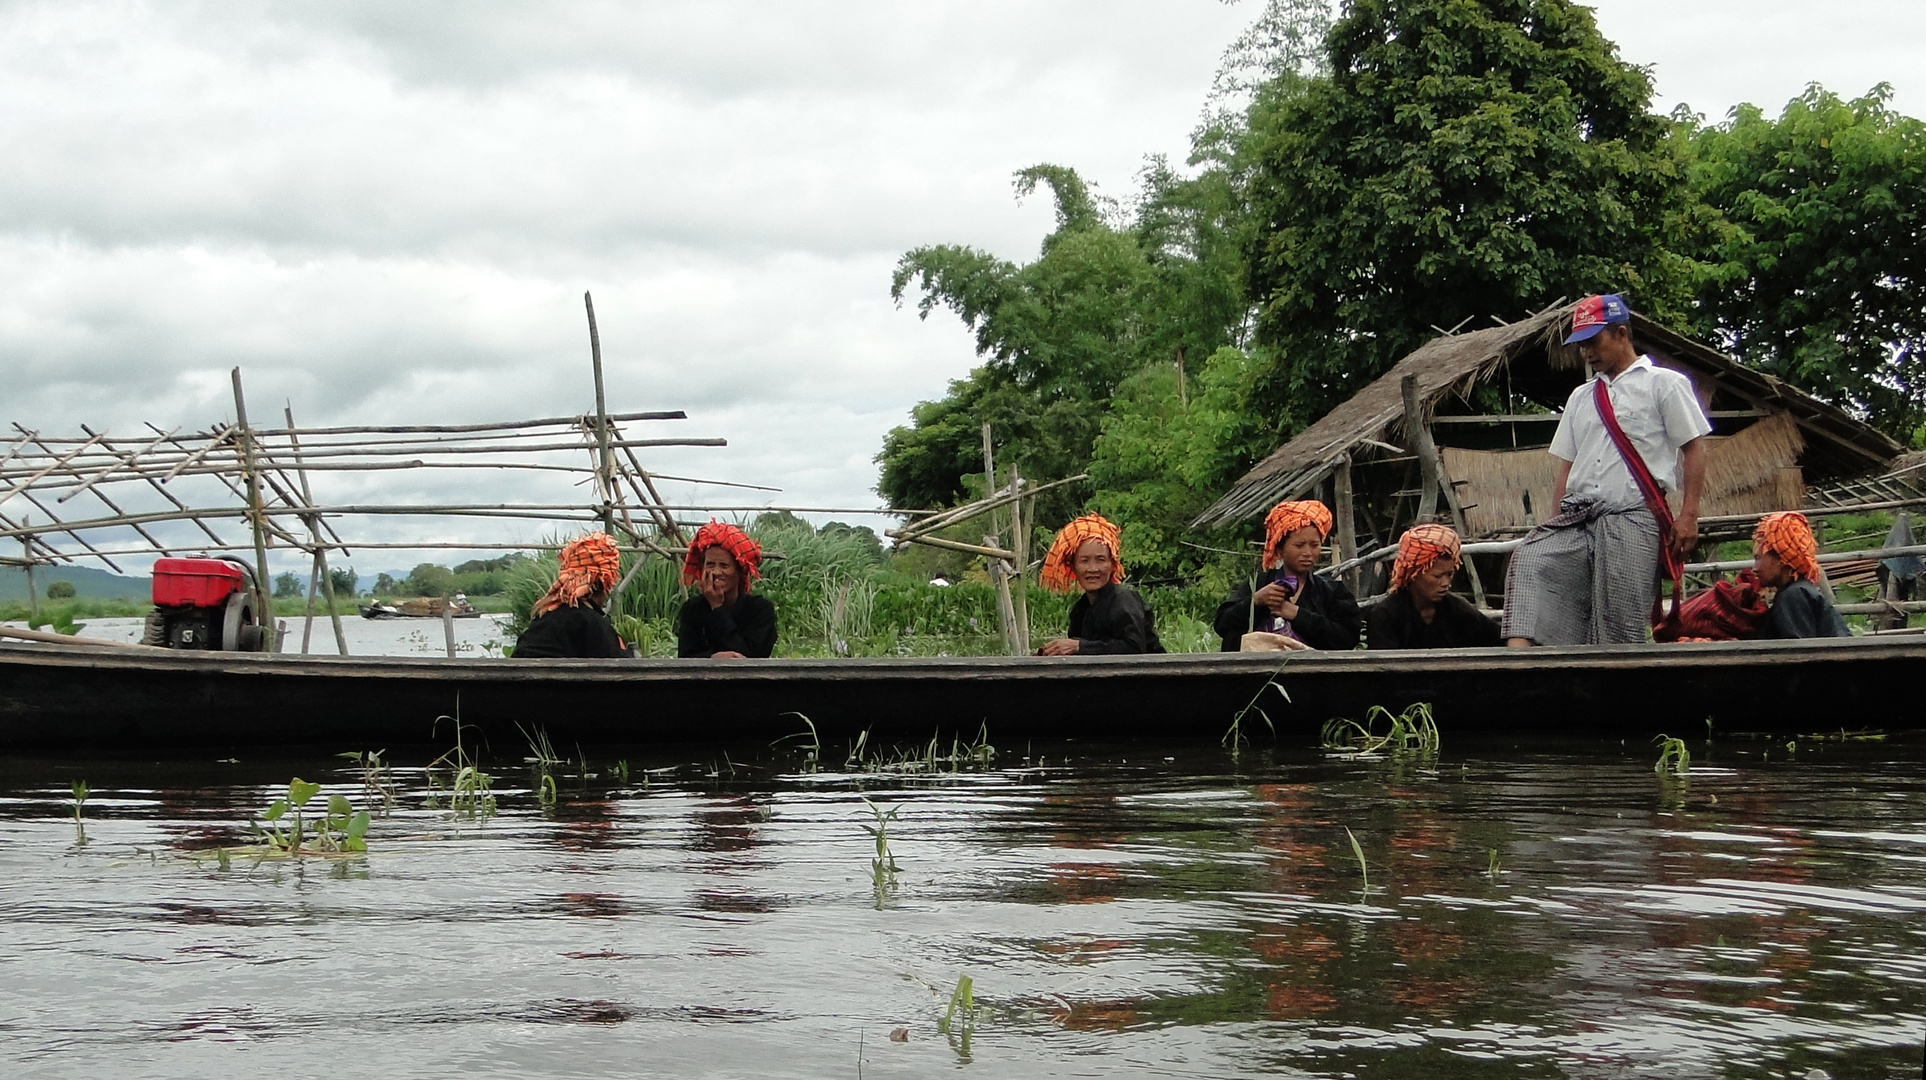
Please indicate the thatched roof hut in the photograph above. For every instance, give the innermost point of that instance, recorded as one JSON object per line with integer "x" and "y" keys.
{"x": 1770, "y": 439}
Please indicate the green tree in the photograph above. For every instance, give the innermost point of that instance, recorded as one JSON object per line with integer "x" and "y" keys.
{"x": 344, "y": 581}
{"x": 62, "y": 590}
{"x": 429, "y": 579}
{"x": 1163, "y": 457}
{"x": 1812, "y": 256}
{"x": 286, "y": 585}
{"x": 1461, "y": 159}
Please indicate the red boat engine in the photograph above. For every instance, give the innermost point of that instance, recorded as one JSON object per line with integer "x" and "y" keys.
{"x": 204, "y": 603}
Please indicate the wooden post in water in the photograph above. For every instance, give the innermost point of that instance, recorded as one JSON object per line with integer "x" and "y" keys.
{"x": 320, "y": 552}
{"x": 448, "y": 625}
{"x": 1347, "y": 528}
{"x": 255, "y": 516}
{"x": 605, "y": 459}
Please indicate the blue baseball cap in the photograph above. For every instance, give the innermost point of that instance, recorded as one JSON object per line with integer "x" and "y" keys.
{"x": 1595, "y": 313}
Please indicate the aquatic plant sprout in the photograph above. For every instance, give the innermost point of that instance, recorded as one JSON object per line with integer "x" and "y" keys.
{"x": 80, "y": 800}
{"x": 1413, "y": 730}
{"x": 1234, "y": 737}
{"x": 1674, "y": 756}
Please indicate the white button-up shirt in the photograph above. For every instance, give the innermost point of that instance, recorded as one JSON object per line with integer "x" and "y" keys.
{"x": 1660, "y": 414}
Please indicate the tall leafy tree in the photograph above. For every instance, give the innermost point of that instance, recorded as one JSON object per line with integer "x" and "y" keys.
{"x": 1461, "y": 159}
{"x": 1814, "y": 248}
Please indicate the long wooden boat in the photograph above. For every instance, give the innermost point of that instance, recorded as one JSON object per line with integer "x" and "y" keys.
{"x": 120, "y": 701}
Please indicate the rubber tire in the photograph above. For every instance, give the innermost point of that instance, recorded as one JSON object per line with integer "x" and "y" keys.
{"x": 154, "y": 632}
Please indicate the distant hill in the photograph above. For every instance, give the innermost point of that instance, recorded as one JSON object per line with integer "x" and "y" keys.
{"x": 89, "y": 582}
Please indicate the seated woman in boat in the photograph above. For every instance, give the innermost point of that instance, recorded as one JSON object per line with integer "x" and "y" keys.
{"x": 724, "y": 620}
{"x": 568, "y": 619}
{"x": 1293, "y": 606}
{"x": 1785, "y": 556}
{"x": 1109, "y": 618}
{"x": 1420, "y": 612}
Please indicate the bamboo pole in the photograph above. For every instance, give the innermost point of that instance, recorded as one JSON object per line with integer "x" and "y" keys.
{"x": 122, "y": 461}
{"x": 1347, "y": 529}
{"x": 320, "y": 551}
{"x": 1020, "y": 549}
{"x": 18, "y": 488}
{"x": 143, "y": 474}
{"x": 214, "y": 440}
{"x": 455, "y": 429}
{"x": 66, "y": 639}
{"x": 256, "y": 518}
{"x": 999, "y": 573}
{"x": 605, "y": 461}
{"x": 33, "y": 590}
{"x": 1436, "y": 480}
{"x": 943, "y": 519}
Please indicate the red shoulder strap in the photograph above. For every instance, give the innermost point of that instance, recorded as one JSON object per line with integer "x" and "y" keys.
{"x": 1670, "y": 563}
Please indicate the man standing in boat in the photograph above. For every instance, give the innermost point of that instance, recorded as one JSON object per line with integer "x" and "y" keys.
{"x": 1629, "y": 436}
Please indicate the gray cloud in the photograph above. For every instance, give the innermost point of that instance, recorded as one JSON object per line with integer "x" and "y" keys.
{"x": 389, "y": 211}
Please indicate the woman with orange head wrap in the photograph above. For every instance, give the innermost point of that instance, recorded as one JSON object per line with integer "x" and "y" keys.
{"x": 724, "y": 620}
{"x": 1785, "y": 556}
{"x": 1420, "y": 612}
{"x": 568, "y": 621}
{"x": 1286, "y": 598}
{"x": 1109, "y": 617}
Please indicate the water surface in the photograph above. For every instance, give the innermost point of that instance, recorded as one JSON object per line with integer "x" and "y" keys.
{"x": 1546, "y": 910}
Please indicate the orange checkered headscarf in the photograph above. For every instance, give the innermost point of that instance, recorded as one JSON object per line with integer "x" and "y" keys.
{"x": 1287, "y": 517}
{"x": 1059, "y": 573}
{"x": 1421, "y": 548}
{"x": 746, "y": 552}
{"x": 1788, "y": 535}
{"x": 589, "y": 565}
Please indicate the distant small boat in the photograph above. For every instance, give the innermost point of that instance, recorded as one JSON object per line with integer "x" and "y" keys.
{"x": 429, "y": 607}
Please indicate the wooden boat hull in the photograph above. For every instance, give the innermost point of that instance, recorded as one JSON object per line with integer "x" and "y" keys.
{"x": 123, "y": 701}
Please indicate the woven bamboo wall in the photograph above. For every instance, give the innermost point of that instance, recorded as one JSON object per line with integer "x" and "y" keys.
{"x": 1752, "y": 471}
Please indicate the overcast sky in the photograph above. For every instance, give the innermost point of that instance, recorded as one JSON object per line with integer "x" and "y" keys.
{"x": 389, "y": 211}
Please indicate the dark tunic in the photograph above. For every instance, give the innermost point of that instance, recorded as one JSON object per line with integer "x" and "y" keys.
{"x": 1394, "y": 623}
{"x": 747, "y": 626}
{"x": 1327, "y": 614}
{"x": 1114, "y": 619}
{"x": 1801, "y": 611}
{"x": 578, "y": 631}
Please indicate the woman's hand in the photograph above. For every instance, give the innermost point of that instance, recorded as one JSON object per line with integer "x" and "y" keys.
{"x": 1281, "y": 601}
{"x": 727, "y": 654}
{"x": 1060, "y": 647}
{"x": 715, "y": 591}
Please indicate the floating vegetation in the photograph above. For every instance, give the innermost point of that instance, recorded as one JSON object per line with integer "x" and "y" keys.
{"x": 1674, "y": 756}
{"x": 922, "y": 759}
{"x": 1413, "y": 730}
{"x": 883, "y": 867}
{"x": 339, "y": 830}
{"x": 1494, "y": 869}
{"x": 1234, "y": 736}
{"x": 80, "y": 800}
{"x": 621, "y": 770}
{"x": 377, "y": 780}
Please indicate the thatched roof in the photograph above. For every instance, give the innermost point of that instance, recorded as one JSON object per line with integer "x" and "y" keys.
{"x": 1366, "y": 425}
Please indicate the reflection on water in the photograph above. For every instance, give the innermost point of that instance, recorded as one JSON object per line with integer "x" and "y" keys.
{"x": 479, "y": 637}
{"x": 1548, "y": 911}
